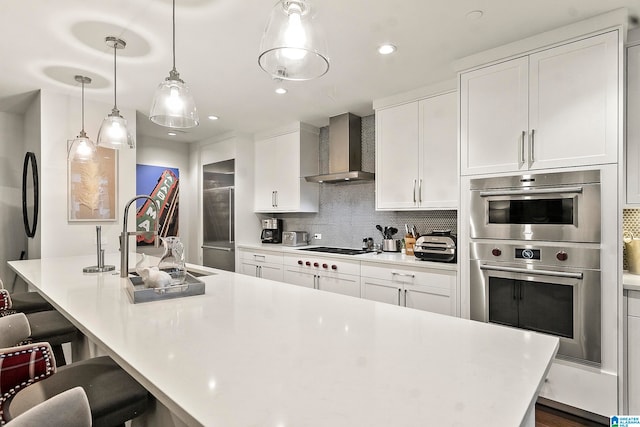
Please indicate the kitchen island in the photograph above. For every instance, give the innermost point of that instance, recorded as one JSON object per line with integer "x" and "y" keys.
{"x": 254, "y": 352}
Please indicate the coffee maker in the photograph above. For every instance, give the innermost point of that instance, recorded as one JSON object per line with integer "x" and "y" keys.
{"x": 271, "y": 230}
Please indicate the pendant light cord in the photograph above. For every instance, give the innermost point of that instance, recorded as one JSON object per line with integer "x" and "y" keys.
{"x": 115, "y": 80}
{"x": 174, "y": 35}
{"x": 83, "y": 132}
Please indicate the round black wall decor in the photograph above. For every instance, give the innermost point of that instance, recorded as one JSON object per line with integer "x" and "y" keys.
{"x": 30, "y": 159}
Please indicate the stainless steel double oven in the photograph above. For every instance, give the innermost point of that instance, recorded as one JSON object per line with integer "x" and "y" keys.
{"x": 535, "y": 257}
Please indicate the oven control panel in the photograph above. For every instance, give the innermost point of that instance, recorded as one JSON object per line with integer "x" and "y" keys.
{"x": 579, "y": 257}
{"x": 527, "y": 253}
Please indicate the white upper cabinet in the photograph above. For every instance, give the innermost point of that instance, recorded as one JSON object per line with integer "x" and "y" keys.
{"x": 493, "y": 117}
{"x": 554, "y": 108}
{"x": 282, "y": 159}
{"x": 416, "y": 151}
{"x": 439, "y": 152}
{"x": 397, "y": 156}
{"x": 633, "y": 125}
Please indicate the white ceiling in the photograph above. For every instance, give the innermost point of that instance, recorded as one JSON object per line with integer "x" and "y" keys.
{"x": 46, "y": 41}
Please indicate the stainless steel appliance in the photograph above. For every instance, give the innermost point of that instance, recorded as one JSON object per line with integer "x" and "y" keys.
{"x": 562, "y": 206}
{"x": 218, "y": 249}
{"x": 439, "y": 246}
{"x": 549, "y": 288}
{"x": 271, "y": 230}
{"x": 541, "y": 269}
{"x": 295, "y": 238}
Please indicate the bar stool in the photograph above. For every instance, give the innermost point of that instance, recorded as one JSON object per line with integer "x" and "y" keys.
{"x": 49, "y": 326}
{"x": 69, "y": 409}
{"x": 26, "y": 302}
{"x": 27, "y": 380}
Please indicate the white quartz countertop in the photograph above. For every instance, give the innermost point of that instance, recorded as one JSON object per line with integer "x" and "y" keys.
{"x": 254, "y": 352}
{"x": 395, "y": 258}
{"x": 630, "y": 282}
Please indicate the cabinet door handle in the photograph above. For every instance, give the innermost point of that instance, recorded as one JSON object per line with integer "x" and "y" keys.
{"x": 420, "y": 191}
{"x": 521, "y": 150}
{"x": 405, "y": 297}
{"x": 399, "y": 293}
{"x": 395, "y": 273}
{"x": 273, "y": 199}
{"x": 232, "y": 236}
{"x": 414, "y": 191}
{"x": 276, "y": 198}
{"x": 531, "y": 147}
{"x": 216, "y": 248}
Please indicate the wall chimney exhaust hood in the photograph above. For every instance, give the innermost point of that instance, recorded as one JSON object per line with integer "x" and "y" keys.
{"x": 345, "y": 152}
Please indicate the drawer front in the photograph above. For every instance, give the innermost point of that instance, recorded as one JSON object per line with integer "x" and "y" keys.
{"x": 261, "y": 257}
{"x": 444, "y": 279}
{"x": 322, "y": 264}
{"x": 633, "y": 301}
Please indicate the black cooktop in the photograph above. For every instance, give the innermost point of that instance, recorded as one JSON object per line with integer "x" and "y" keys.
{"x": 330, "y": 250}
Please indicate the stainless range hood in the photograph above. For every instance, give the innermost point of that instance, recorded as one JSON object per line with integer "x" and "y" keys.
{"x": 345, "y": 152}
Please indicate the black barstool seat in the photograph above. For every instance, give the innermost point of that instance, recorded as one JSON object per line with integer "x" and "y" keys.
{"x": 114, "y": 396}
{"x": 29, "y": 302}
{"x": 54, "y": 328}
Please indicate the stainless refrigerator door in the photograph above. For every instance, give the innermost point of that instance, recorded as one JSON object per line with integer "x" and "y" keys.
{"x": 218, "y": 209}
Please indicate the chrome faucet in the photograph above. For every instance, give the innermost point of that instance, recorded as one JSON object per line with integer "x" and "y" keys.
{"x": 124, "y": 237}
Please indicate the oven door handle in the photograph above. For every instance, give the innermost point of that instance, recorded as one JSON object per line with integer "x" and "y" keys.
{"x": 532, "y": 271}
{"x": 553, "y": 190}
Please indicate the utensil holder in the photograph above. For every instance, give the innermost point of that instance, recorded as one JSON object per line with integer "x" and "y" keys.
{"x": 633, "y": 255}
{"x": 391, "y": 245}
{"x": 409, "y": 243}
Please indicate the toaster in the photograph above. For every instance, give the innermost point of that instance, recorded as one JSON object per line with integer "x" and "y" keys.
{"x": 295, "y": 238}
{"x": 439, "y": 246}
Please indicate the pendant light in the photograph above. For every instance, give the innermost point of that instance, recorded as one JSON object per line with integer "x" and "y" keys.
{"x": 82, "y": 149}
{"x": 293, "y": 46}
{"x": 113, "y": 132}
{"x": 173, "y": 105}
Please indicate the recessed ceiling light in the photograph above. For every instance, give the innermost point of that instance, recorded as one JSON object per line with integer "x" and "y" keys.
{"x": 171, "y": 133}
{"x": 281, "y": 91}
{"x": 386, "y": 49}
{"x": 474, "y": 15}
{"x": 212, "y": 117}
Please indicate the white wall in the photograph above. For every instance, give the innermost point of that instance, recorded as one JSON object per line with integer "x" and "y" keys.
{"x": 32, "y": 138}
{"x": 158, "y": 152}
{"x": 61, "y": 121}
{"x": 12, "y": 238}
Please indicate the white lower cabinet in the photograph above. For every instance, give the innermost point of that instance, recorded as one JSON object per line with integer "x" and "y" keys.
{"x": 264, "y": 264}
{"x": 325, "y": 274}
{"x": 633, "y": 352}
{"x": 423, "y": 289}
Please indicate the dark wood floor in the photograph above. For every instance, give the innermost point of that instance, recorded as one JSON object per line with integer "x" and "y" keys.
{"x": 549, "y": 417}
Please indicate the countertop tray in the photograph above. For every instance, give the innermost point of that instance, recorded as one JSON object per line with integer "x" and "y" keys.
{"x": 138, "y": 292}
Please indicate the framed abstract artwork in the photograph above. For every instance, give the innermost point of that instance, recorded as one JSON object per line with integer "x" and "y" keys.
{"x": 93, "y": 187}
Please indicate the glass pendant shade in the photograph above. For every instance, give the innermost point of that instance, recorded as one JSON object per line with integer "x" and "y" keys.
{"x": 173, "y": 104}
{"x": 81, "y": 149}
{"x": 293, "y": 46}
{"x": 114, "y": 133}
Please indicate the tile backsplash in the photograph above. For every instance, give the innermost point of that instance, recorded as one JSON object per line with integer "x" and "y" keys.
{"x": 347, "y": 211}
{"x": 630, "y": 223}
